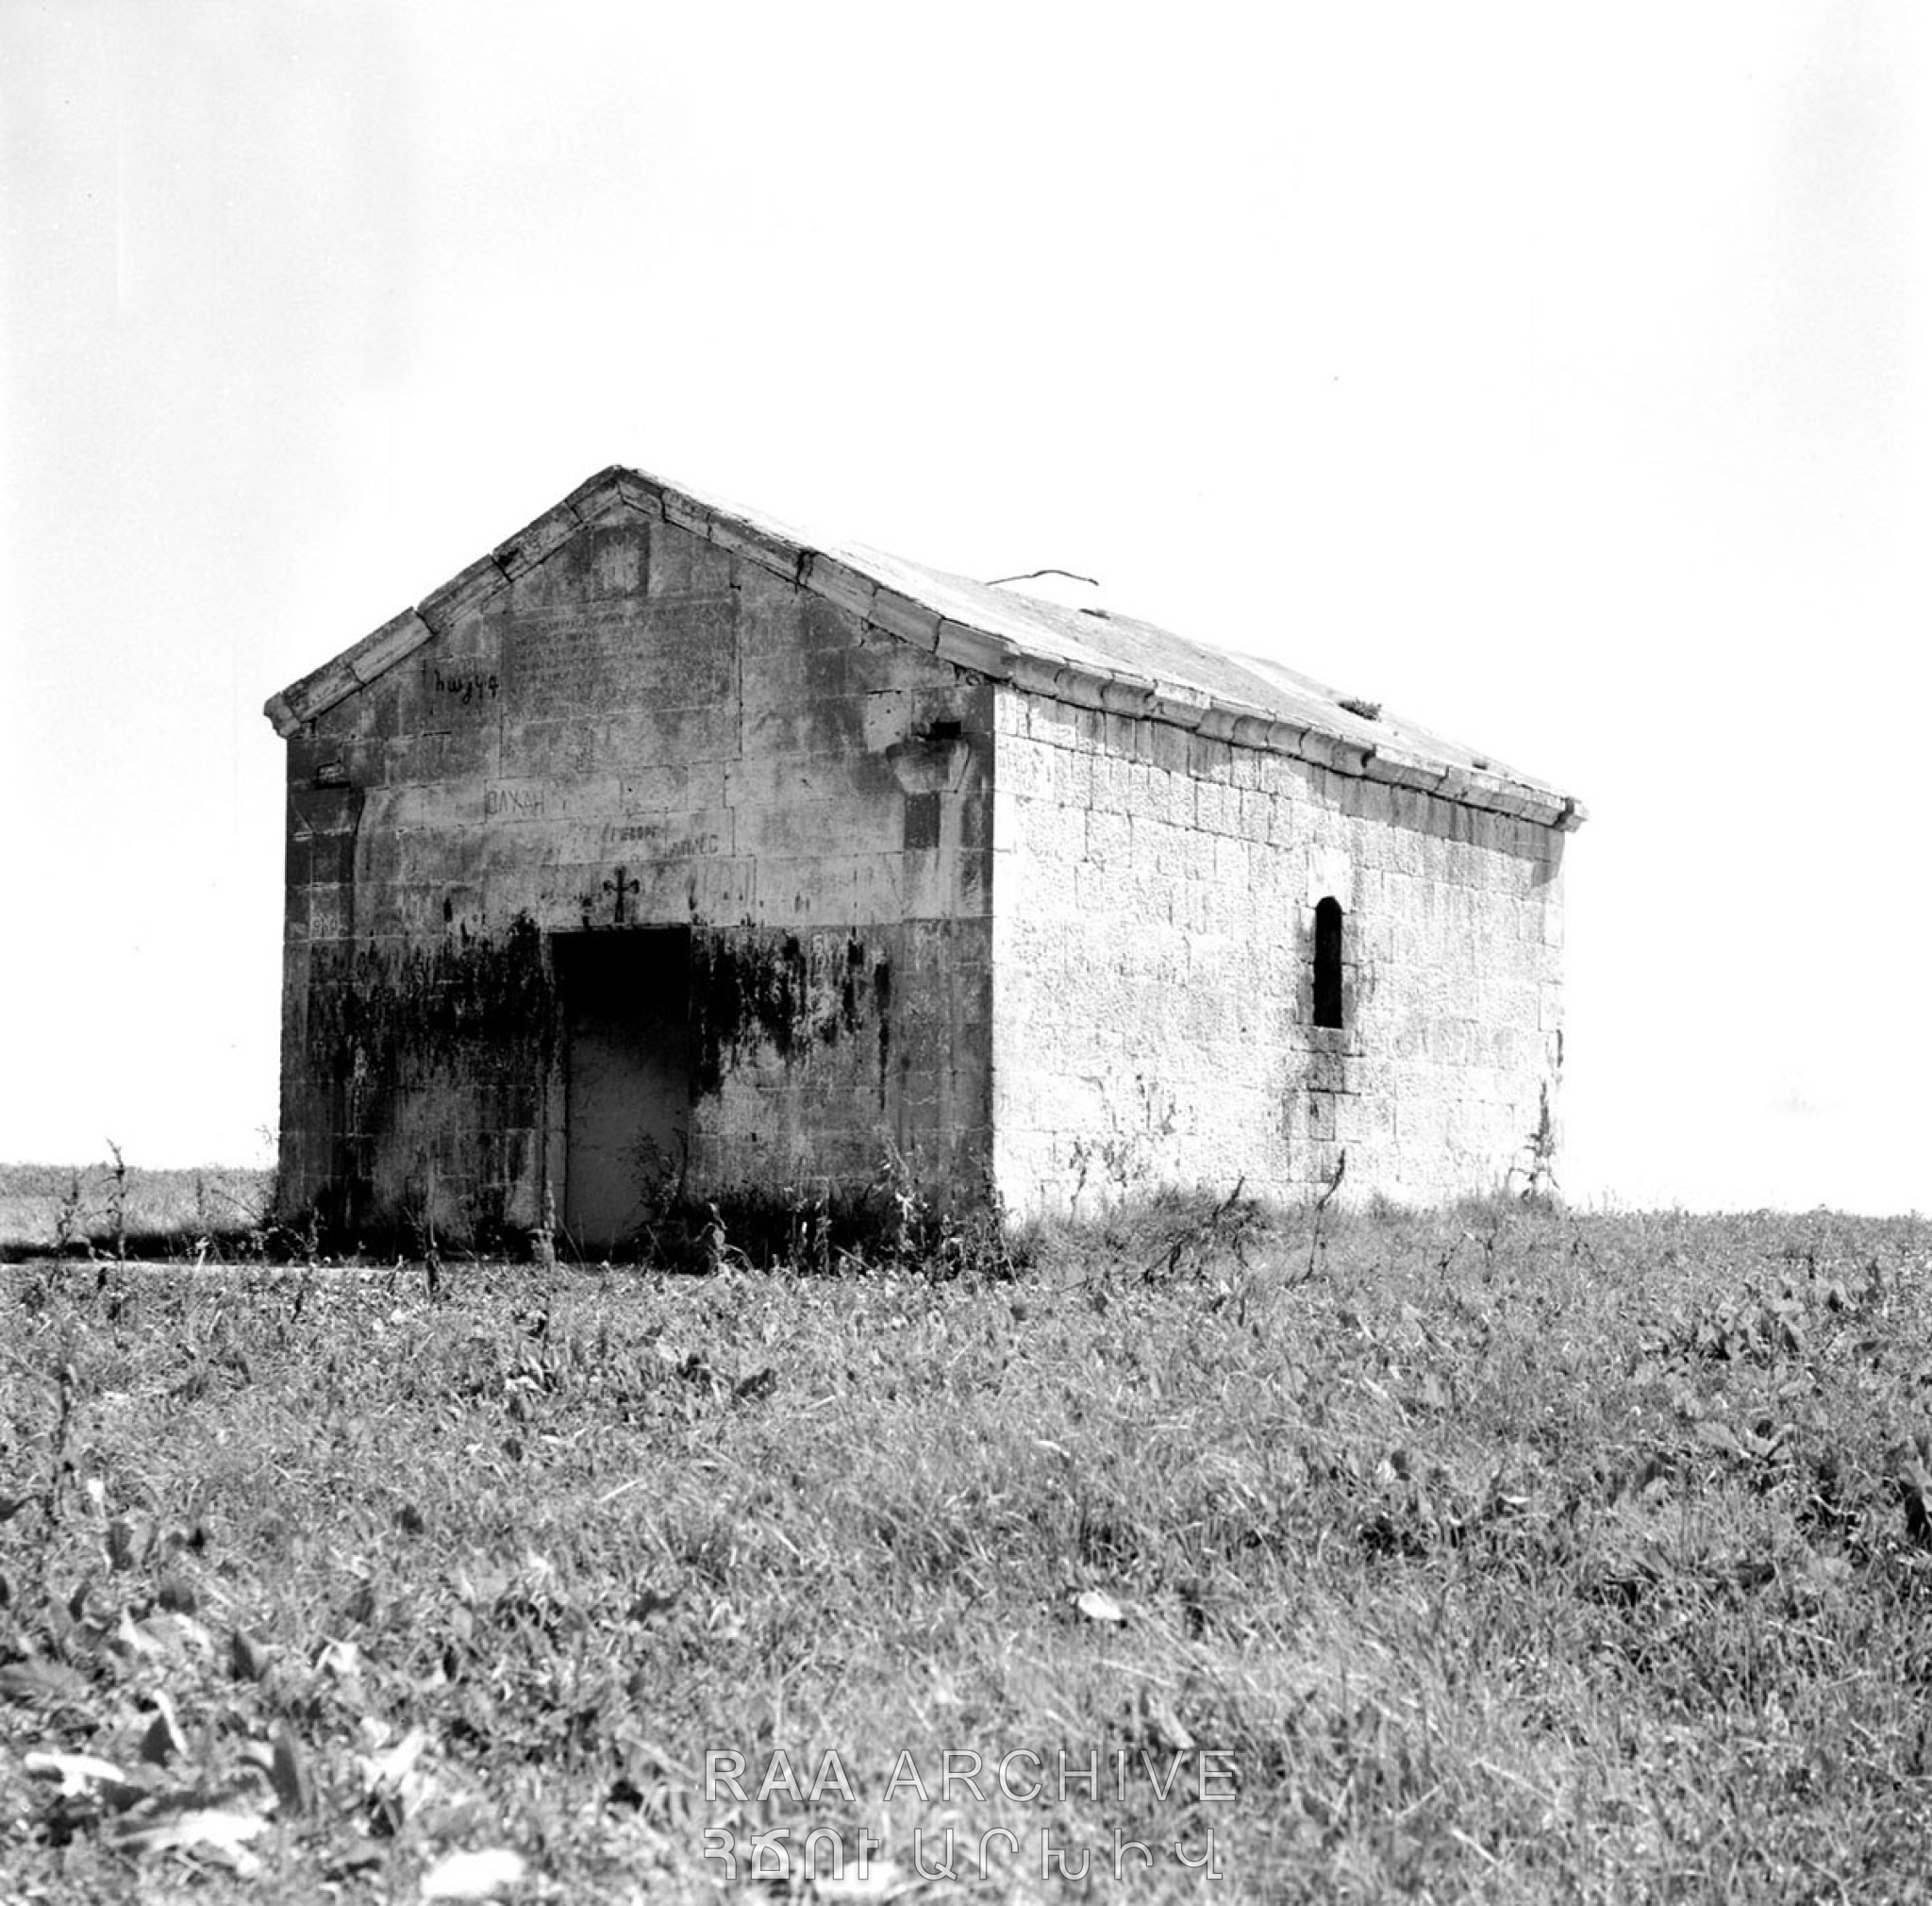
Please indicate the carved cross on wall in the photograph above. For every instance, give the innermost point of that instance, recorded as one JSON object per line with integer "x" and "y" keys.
{"x": 620, "y": 887}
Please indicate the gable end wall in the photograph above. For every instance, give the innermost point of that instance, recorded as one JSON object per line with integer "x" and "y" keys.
{"x": 638, "y": 716}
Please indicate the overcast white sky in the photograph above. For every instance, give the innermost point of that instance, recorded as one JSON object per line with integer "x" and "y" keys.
{"x": 1553, "y": 374}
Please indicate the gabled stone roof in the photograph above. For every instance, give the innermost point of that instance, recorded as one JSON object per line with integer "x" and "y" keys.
{"x": 1087, "y": 658}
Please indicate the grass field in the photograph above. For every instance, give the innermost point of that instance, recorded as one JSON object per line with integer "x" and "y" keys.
{"x": 68, "y": 1208}
{"x": 1495, "y": 1555}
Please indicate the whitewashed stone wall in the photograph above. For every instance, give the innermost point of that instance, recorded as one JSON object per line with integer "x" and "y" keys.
{"x": 1153, "y": 956}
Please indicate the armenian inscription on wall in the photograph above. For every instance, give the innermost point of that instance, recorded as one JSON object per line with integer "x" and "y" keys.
{"x": 679, "y": 653}
{"x": 525, "y": 800}
{"x": 674, "y": 837}
{"x": 451, "y": 691}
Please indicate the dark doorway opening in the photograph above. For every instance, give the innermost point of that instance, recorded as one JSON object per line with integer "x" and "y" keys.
{"x": 1328, "y": 961}
{"x": 627, "y": 1085}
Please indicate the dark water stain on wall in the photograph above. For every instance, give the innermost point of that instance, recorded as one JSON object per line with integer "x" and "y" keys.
{"x": 752, "y": 988}
{"x": 471, "y": 1018}
{"x": 392, "y": 1016}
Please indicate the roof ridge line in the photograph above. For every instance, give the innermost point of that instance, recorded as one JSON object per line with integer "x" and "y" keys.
{"x": 793, "y": 555}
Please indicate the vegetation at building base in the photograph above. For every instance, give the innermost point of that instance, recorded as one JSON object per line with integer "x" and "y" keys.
{"x": 209, "y": 1215}
{"x": 1493, "y": 1554}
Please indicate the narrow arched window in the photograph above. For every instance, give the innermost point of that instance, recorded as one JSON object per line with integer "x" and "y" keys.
{"x": 1328, "y": 961}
